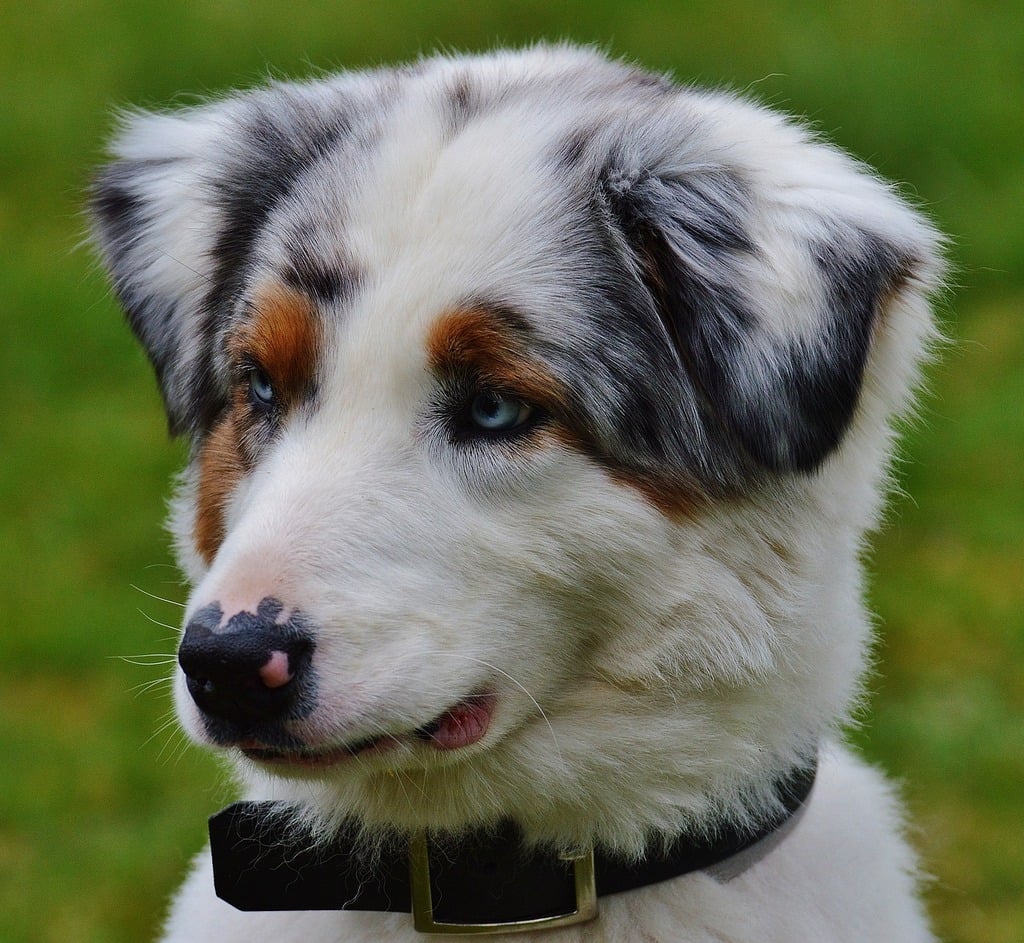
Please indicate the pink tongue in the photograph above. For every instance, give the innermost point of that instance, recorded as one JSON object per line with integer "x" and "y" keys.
{"x": 464, "y": 724}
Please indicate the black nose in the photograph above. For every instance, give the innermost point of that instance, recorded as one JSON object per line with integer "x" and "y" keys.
{"x": 251, "y": 670}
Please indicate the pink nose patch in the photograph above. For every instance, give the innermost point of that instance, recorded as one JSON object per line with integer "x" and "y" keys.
{"x": 275, "y": 673}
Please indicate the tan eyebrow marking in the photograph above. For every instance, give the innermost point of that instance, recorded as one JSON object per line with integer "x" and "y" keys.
{"x": 284, "y": 336}
{"x": 479, "y": 340}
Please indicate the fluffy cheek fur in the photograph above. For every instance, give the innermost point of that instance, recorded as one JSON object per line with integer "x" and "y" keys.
{"x": 652, "y": 700}
{"x": 596, "y": 617}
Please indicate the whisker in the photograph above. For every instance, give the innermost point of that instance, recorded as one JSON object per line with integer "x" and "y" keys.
{"x": 152, "y": 660}
{"x": 168, "y": 722}
{"x": 170, "y": 602}
{"x": 146, "y": 686}
{"x": 176, "y": 744}
{"x": 163, "y": 625}
{"x": 172, "y": 756}
{"x": 181, "y": 750}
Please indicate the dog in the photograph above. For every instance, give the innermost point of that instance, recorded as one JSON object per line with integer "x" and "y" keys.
{"x": 538, "y": 410}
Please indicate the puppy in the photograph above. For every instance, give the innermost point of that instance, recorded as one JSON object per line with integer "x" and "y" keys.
{"x": 538, "y": 410}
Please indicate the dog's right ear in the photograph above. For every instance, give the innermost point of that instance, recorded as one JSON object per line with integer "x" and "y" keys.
{"x": 176, "y": 215}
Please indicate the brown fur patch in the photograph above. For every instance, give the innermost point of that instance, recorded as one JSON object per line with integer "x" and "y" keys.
{"x": 221, "y": 466}
{"x": 283, "y": 337}
{"x": 678, "y": 501}
{"x": 485, "y": 344}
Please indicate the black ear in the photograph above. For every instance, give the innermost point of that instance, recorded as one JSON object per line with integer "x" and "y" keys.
{"x": 176, "y": 217}
{"x": 775, "y": 348}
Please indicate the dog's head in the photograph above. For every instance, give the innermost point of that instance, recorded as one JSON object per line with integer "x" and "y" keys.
{"x": 537, "y": 408}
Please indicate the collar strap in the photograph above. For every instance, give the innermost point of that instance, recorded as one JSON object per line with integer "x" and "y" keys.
{"x": 486, "y": 881}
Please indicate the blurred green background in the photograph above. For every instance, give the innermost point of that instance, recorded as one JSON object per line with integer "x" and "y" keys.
{"x": 101, "y": 802}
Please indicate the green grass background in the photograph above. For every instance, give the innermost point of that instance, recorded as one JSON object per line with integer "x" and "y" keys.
{"x": 100, "y": 802}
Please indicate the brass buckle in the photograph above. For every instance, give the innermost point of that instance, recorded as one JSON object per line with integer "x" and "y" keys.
{"x": 423, "y": 905}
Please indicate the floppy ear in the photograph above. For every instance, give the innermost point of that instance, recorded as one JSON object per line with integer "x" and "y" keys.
{"x": 155, "y": 221}
{"x": 770, "y": 309}
{"x": 176, "y": 215}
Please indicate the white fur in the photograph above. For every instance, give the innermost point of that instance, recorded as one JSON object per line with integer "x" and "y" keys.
{"x": 653, "y": 673}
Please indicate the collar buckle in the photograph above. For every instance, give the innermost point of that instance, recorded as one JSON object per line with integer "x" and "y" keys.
{"x": 423, "y": 904}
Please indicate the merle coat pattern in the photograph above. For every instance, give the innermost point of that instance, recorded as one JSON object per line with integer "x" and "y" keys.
{"x": 538, "y": 409}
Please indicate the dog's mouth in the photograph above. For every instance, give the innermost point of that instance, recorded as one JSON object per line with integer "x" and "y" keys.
{"x": 459, "y": 726}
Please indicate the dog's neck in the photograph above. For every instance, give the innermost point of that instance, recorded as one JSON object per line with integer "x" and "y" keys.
{"x": 484, "y": 878}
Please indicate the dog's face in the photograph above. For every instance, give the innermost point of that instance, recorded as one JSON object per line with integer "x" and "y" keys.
{"x": 538, "y": 408}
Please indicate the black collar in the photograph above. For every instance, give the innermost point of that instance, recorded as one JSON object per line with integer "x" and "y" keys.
{"x": 483, "y": 880}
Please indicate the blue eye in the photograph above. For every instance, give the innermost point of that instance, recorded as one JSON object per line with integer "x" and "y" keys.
{"x": 495, "y": 412}
{"x": 261, "y": 390}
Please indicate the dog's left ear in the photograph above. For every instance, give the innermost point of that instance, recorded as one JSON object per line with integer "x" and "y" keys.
{"x": 770, "y": 302}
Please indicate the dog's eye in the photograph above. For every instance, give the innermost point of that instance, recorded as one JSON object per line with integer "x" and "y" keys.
{"x": 495, "y": 412}
{"x": 261, "y": 390}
